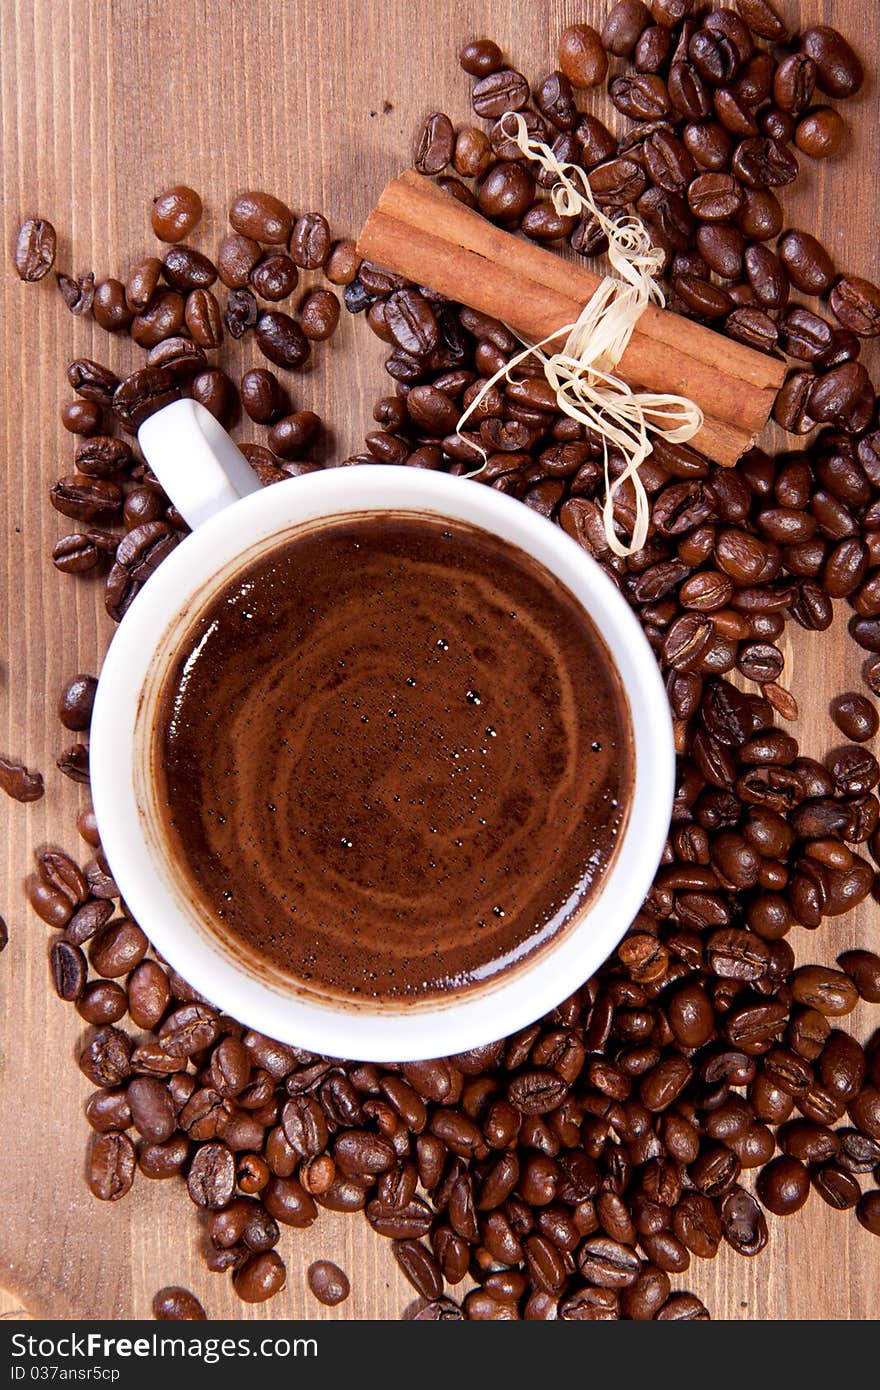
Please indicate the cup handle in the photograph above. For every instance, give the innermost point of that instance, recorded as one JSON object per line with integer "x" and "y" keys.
{"x": 195, "y": 460}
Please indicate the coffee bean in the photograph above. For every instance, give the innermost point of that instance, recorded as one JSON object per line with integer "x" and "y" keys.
{"x": 203, "y": 319}
{"x": 505, "y": 191}
{"x": 807, "y": 262}
{"x": 310, "y": 241}
{"x": 109, "y": 308}
{"x": 35, "y": 249}
{"x": 274, "y": 277}
{"x": 783, "y": 1186}
{"x": 111, "y": 1166}
{"x": 187, "y": 269}
{"x": 17, "y": 782}
{"x": 216, "y": 392}
{"x": 142, "y": 394}
{"x": 176, "y": 1304}
{"x": 280, "y": 338}
{"x": 211, "y": 1178}
{"x": 581, "y": 56}
{"x": 820, "y": 133}
{"x": 435, "y": 144}
{"x": 175, "y": 213}
{"x": 480, "y": 57}
{"x": 163, "y": 318}
{"x": 78, "y": 294}
{"x": 260, "y": 1277}
{"x": 290, "y": 435}
{"x": 319, "y": 315}
{"x": 839, "y": 72}
{"x": 714, "y": 197}
{"x": 139, "y": 553}
{"x": 856, "y": 304}
{"x": 863, "y": 968}
{"x": 82, "y": 417}
{"x": 103, "y": 457}
{"x": 328, "y": 1282}
{"x": 261, "y": 216}
{"x": 622, "y": 27}
{"x": 502, "y": 90}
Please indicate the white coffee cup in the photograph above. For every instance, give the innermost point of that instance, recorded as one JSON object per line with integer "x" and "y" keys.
{"x": 234, "y": 522}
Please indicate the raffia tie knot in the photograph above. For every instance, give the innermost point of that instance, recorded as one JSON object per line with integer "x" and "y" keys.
{"x": 582, "y": 373}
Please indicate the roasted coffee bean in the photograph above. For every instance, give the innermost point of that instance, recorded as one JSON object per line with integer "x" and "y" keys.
{"x": 111, "y": 1166}
{"x": 793, "y": 83}
{"x": 109, "y": 309}
{"x": 203, "y": 318}
{"x": 581, "y": 56}
{"x": 808, "y": 264}
{"x": 180, "y": 356}
{"x": 176, "y": 1304}
{"x": 106, "y": 1058}
{"x": 103, "y": 457}
{"x": 92, "y": 381}
{"x": 622, "y": 28}
{"x": 505, "y": 191}
{"x": 783, "y": 1186}
{"x": 328, "y": 1282}
{"x": 17, "y": 782}
{"x": 820, "y": 133}
{"x": 856, "y": 304}
{"x": 643, "y": 97}
{"x": 153, "y": 1112}
{"x": 35, "y": 249}
{"x": 419, "y": 1267}
{"x": 87, "y": 499}
{"x": 186, "y": 269}
{"x": 78, "y": 294}
{"x": 714, "y": 197}
{"x": 162, "y": 318}
{"x": 761, "y": 162}
{"x": 242, "y": 312}
{"x": 863, "y": 968}
{"x": 149, "y": 994}
{"x": 262, "y": 395}
{"x": 502, "y": 90}
{"x": 69, "y": 970}
{"x": 102, "y": 1001}
{"x": 608, "y": 1264}
{"x": 839, "y": 72}
{"x": 211, "y": 1178}
{"x": 274, "y": 277}
{"x": 118, "y": 948}
{"x": 435, "y": 144}
{"x": 260, "y": 1277}
{"x": 216, "y": 392}
{"x": 175, "y": 213}
{"x": 280, "y": 338}
{"x": 319, "y": 314}
{"x": 139, "y": 553}
{"x": 141, "y": 284}
{"x": 855, "y": 716}
{"x": 261, "y": 216}
{"x": 142, "y": 394}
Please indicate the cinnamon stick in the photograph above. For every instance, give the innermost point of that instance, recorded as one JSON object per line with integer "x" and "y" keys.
{"x": 420, "y": 232}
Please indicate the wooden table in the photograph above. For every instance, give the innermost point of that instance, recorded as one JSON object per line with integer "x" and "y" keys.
{"x": 103, "y": 105}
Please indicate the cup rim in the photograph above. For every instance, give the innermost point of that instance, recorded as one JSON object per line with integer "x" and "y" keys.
{"x": 180, "y": 588}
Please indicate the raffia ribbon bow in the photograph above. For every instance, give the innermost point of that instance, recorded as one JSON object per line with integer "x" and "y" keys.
{"x": 582, "y": 373}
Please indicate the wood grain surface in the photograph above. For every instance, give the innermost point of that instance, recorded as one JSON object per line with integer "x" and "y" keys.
{"x": 103, "y": 103}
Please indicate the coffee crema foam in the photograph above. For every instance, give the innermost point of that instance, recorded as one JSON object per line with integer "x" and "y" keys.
{"x": 396, "y": 758}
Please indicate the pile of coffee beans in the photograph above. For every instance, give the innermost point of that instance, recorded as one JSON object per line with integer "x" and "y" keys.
{"x": 575, "y": 1169}
{"x": 168, "y": 306}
